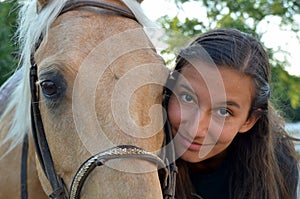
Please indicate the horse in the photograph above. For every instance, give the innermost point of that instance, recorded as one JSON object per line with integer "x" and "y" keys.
{"x": 87, "y": 93}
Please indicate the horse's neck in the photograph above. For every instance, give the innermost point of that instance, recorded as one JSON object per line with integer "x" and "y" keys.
{"x": 10, "y": 166}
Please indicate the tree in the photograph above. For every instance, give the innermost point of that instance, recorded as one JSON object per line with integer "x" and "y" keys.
{"x": 286, "y": 93}
{"x": 245, "y": 15}
{"x": 7, "y": 48}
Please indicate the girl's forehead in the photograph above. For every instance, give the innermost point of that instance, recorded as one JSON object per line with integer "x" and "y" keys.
{"x": 211, "y": 72}
{"x": 201, "y": 69}
{"x": 222, "y": 82}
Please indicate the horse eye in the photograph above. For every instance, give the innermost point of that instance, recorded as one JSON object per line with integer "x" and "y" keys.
{"x": 48, "y": 88}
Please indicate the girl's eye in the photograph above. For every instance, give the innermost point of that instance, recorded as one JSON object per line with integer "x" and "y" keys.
{"x": 48, "y": 88}
{"x": 187, "y": 98}
{"x": 223, "y": 112}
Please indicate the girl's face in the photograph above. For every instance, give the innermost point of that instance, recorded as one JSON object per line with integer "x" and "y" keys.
{"x": 208, "y": 108}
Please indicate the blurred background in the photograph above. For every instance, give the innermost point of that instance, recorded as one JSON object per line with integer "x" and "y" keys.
{"x": 275, "y": 22}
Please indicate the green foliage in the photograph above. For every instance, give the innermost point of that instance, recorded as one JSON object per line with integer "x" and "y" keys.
{"x": 7, "y": 47}
{"x": 256, "y": 10}
{"x": 177, "y": 37}
{"x": 286, "y": 93}
{"x": 245, "y": 15}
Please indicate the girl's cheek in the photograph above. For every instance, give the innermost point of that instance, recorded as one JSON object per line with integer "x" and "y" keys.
{"x": 174, "y": 113}
{"x": 227, "y": 134}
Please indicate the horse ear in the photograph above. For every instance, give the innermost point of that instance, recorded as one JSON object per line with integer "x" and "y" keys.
{"x": 41, "y": 4}
{"x": 140, "y": 1}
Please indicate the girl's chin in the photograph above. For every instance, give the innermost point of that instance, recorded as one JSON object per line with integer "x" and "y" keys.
{"x": 193, "y": 157}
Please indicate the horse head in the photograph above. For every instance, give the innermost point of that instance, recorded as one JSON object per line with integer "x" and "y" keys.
{"x": 96, "y": 85}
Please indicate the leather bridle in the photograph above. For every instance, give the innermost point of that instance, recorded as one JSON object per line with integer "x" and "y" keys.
{"x": 59, "y": 190}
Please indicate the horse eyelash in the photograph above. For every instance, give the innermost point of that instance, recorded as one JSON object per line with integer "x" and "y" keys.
{"x": 38, "y": 82}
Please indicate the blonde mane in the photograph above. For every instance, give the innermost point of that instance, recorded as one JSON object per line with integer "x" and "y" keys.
{"x": 31, "y": 26}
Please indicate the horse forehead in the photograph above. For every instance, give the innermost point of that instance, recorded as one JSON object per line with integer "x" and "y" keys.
{"x": 76, "y": 33}
{"x": 86, "y": 26}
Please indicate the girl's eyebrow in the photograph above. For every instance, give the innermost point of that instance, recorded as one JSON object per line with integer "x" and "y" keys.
{"x": 229, "y": 103}
{"x": 187, "y": 87}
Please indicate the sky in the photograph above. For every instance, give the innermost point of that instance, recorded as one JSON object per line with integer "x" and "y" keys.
{"x": 273, "y": 37}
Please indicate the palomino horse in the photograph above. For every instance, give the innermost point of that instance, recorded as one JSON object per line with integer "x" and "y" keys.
{"x": 95, "y": 83}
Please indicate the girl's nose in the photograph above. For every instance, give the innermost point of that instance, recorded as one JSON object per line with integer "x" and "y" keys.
{"x": 201, "y": 123}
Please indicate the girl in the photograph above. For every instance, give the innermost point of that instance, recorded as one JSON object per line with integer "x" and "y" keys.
{"x": 229, "y": 141}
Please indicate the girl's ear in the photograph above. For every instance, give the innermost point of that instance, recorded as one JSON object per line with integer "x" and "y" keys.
{"x": 249, "y": 122}
{"x": 41, "y": 4}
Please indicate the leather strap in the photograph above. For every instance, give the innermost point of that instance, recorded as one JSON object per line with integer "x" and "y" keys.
{"x": 169, "y": 191}
{"x": 40, "y": 141}
{"x": 24, "y": 192}
{"x": 122, "y": 151}
{"x": 72, "y": 5}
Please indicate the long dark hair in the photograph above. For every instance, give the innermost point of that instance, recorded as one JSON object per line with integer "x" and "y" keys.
{"x": 263, "y": 155}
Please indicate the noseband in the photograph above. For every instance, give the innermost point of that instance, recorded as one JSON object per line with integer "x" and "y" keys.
{"x": 123, "y": 151}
